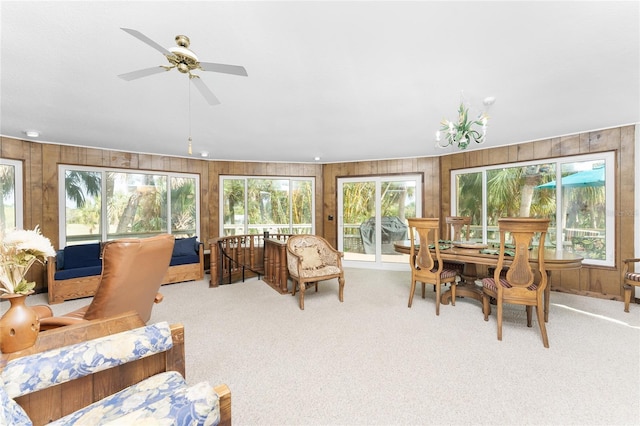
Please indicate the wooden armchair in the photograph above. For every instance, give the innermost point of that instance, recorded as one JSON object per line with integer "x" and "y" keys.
{"x": 631, "y": 280}
{"x": 517, "y": 286}
{"x": 310, "y": 259}
{"x": 51, "y": 403}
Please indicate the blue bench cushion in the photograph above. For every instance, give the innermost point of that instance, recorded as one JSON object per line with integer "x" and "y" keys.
{"x": 184, "y": 260}
{"x": 65, "y": 274}
{"x": 185, "y": 247}
{"x": 82, "y": 255}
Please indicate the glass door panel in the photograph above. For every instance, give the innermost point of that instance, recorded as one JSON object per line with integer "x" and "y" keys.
{"x": 358, "y": 224}
{"x": 398, "y": 202}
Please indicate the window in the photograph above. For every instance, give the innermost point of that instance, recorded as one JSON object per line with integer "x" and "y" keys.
{"x": 100, "y": 204}
{"x": 11, "y": 197}
{"x": 580, "y": 224}
{"x": 253, "y": 205}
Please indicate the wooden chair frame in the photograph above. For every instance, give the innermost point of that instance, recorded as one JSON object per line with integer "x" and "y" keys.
{"x": 520, "y": 275}
{"x": 427, "y": 265}
{"x": 631, "y": 280}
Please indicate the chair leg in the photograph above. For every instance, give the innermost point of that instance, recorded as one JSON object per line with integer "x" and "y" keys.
{"x": 302, "y": 288}
{"x": 543, "y": 328}
{"x": 294, "y": 283}
{"x": 486, "y": 307}
{"x": 341, "y": 288}
{"x": 499, "y": 316}
{"x": 453, "y": 294}
{"x": 438, "y": 299}
{"x": 316, "y": 287}
{"x": 627, "y": 297}
{"x": 423, "y": 289}
{"x": 528, "y": 308}
{"x": 413, "y": 290}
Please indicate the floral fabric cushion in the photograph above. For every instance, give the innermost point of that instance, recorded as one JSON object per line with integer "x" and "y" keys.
{"x": 42, "y": 370}
{"x": 159, "y": 400}
{"x": 10, "y": 412}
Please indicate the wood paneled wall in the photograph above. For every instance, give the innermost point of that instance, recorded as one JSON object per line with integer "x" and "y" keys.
{"x": 41, "y": 186}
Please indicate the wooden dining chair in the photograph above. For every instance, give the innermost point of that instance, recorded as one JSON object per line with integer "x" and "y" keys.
{"x": 455, "y": 225}
{"x": 631, "y": 280}
{"x": 427, "y": 265}
{"x": 518, "y": 285}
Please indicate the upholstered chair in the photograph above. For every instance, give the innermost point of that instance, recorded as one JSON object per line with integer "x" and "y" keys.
{"x": 132, "y": 270}
{"x": 310, "y": 259}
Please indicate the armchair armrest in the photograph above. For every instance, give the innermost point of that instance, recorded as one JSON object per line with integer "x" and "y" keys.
{"x": 627, "y": 263}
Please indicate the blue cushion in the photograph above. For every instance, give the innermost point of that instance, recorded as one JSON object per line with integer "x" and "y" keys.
{"x": 82, "y": 255}
{"x": 59, "y": 259}
{"x": 185, "y": 247}
{"x": 65, "y": 274}
{"x": 184, "y": 260}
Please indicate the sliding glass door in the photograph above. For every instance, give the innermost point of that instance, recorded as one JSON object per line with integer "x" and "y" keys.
{"x": 373, "y": 214}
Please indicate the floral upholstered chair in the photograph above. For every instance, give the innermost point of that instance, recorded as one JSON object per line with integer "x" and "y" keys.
{"x": 310, "y": 259}
{"x": 163, "y": 398}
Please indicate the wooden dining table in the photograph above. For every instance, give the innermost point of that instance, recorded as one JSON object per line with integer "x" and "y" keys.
{"x": 554, "y": 260}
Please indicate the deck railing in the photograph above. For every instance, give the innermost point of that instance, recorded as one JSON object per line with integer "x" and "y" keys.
{"x": 236, "y": 257}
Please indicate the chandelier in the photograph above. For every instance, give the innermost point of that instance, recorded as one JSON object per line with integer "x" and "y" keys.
{"x": 464, "y": 131}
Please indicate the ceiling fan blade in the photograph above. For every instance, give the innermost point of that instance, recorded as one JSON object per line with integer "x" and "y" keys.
{"x": 143, "y": 38}
{"x": 204, "y": 90}
{"x": 142, "y": 73}
{"x": 227, "y": 69}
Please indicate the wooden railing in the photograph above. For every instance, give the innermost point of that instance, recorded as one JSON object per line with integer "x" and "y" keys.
{"x": 236, "y": 257}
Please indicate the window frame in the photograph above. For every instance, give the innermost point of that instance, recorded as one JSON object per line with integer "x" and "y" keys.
{"x": 18, "y": 190}
{"x": 246, "y": 178}
{"x": 609, "y": 159}
{"x": 104, "y": 228}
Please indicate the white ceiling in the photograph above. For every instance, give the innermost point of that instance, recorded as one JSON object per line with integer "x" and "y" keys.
{"x": 345, "y": 81}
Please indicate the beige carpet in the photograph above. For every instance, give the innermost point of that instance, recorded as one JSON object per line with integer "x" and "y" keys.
{"x": 373, "y": 361}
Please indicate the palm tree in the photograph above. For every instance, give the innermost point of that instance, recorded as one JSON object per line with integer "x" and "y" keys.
{"x": 79, "y": 184}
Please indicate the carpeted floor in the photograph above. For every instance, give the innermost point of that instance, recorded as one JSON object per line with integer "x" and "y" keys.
{"x": 373, "y": 361}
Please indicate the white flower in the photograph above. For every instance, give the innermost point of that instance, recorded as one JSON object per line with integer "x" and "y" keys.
{"x": 19, "y": 249}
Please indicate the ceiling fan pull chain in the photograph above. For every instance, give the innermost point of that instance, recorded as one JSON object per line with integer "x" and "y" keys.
{"x": 189, "y": 83}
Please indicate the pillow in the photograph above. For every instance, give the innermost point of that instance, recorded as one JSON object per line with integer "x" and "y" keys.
{"x": 184, "y": 247}
{"x": 310, "y": 257}
{"x": 82, "y": 255}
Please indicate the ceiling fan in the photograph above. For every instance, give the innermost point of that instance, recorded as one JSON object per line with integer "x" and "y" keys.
{"x": 184, "y": 60}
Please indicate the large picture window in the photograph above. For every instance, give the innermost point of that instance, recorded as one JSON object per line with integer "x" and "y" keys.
{"x": 11, "y": 194}
{"x": 572, "y": 192}
{"x": 100, "y": 204}
{"x": 279, "y": 205}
